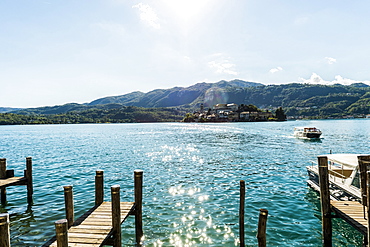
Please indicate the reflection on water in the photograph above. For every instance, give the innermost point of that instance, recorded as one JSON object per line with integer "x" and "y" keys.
{"x": 191, "y": 178}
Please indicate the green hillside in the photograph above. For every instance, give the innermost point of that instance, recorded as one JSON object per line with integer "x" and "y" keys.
{"x": 297, "y": 100}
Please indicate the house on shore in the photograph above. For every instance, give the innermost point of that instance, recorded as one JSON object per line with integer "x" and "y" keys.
{"x": 231, "y": 113}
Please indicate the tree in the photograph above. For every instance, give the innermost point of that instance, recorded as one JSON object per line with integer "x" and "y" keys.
{"x": 280, "y": 115}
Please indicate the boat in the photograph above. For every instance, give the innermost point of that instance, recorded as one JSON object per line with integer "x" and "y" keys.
{"x": 344, "y": 177}
{"x": 307, "y": 132}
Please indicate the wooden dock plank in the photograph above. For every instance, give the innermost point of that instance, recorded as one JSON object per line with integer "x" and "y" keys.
{"x": 96, "y": 226}
{"x": 5, "y": 182}
{"x": 352, "y": 212}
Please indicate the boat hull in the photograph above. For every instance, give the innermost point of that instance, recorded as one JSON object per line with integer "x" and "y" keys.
{"x": 337, "y": 192}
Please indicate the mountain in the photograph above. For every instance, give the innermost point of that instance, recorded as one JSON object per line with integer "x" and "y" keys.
{"x": 8, "y": 109}
{"x": 307, "y": 100}
{"x": 172, "y": 97}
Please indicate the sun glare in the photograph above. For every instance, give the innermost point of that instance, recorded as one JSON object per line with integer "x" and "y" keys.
{"x": 187, "y": 11}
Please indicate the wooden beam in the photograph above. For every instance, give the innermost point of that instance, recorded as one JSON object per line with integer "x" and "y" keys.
{"x": 261, "y": 232}
{"x": 116, "y": 215}
{"x": 325, "y": 201}
{"x": 2, "y": 176}
{"x": 61, "y": 229}
{"x": 241, "y": 213}
{"x": 68, "y": 204}
{"x": 99, "y": 187}
{"x": 28, "y": 175}
{"x": 4, "y": 230}
{"x": 138, "y": 181}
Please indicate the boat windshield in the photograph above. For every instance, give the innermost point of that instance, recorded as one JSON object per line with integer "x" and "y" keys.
{"x": 311, "y": 129}
{"x": 356, "y": 180}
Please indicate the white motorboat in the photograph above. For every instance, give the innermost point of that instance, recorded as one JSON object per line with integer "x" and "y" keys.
{"x": 307, "y": 132}
{"x": 344, "y": 176}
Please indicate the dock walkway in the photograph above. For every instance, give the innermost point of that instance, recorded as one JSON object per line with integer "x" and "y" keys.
{"x": 101, "y": 225}
{"x": 7, "y": 179}
{"x": 95, "y": 227}
{"x": 352, "y": 212}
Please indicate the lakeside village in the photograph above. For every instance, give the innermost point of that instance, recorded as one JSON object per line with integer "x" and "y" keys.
{"x": 234, "y": 113}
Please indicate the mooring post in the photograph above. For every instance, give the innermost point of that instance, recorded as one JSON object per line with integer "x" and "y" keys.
{"x": 61, "y": 229}
{"x": 68, "y": 203}
{"x": 261, "y": 232}
{"x": 99, "y": 187}
{"x": 368, "y": 203}
{"x": 28, "y": 175}
{"x": 3, "y": 175}
{"x": 241, "y": 213}
{"x": 116, "y": 215}
{"x": 325, "y": 201}
{"x": 4, "y": 230}
{"x": 138, "y": 181}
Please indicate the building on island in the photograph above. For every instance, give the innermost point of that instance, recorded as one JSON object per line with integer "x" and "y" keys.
{"x": 230, "y": 113}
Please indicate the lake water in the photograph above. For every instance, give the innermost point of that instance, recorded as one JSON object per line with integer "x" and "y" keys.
{"x": 191, "y": 178}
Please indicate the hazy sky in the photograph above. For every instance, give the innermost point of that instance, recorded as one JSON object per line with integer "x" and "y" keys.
{"x": 56, "y": 52}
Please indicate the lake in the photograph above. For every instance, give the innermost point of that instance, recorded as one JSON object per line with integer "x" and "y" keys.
{"x": 191, "y": 178}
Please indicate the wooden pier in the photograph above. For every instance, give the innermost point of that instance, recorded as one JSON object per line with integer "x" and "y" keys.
{"x": 7, "y": 179}
{"x": 353, "y": 212}
{"x": 101, "y": 225}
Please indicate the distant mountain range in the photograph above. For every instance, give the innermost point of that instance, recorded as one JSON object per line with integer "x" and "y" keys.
{"x": 295, "y": 98}
{"x": 8, "y": 109}
{"x": 172, "y": 97}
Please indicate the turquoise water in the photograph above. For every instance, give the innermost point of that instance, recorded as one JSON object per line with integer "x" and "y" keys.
{"x": 191, "y": 178}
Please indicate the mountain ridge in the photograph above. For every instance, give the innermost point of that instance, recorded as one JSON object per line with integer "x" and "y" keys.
{"x": 297, "y": 99}
{"x": 174, "y": 96}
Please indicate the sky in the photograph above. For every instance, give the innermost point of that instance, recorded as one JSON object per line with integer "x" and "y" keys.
{"x": 54, "y": 52}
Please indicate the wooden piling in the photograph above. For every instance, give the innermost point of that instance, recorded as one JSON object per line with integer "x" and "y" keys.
{"x": 138, "y": 184}
{"x": 2, "y": 168}
{"x": 3, "y": 175}
{"x": 261, "y": 232}
{"x": 368, "y": 203}
{"x": 4, "y": 230}
{"x": 28, "y": 175}
{"x": 116, "y": 215}
{"x": 61, "y": 229}
{"x": 325, "y": 201}
{"x": 68, "y": 203}
{"x": 99, "y": 187}
{"x": 241, "y": 213}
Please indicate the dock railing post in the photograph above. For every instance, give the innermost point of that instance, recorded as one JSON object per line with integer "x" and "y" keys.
{"x": 325, "y": 201}
{"x": 68, "y": 203}
{"x": 4, "y": 230}
{"x": 241, "y": 213}
{"x": 99, "y": 187}
{"x": 3, "y": 175}
{"x": 61, "y": 229}
{"x": 261, "y": 232}
{"x": 363, "y": 179}
{"x": 116, "y": 215}
{"x": 28, "y": 175}
{"x": 138, "y": 181}
{"x": 368, "y": 208}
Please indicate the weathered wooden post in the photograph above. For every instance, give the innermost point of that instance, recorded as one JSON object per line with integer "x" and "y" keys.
{"x": 28, "y": 175}
{"x": 4, "y": 230}
{"x": 138, "y": 181}
{"x": 364, "y": 161}
{"x": 68, "y": 203}
{"x": 261, "y": 232}
{"x": 325, "y": 201}
{"x": 368, "y": 208}
{"x": 3, "y": 175}
{"x": 241, "y": 213}
{"x": 99, "y": 187}
{"x": 116, "y": 215}
{"x": 61, "y": 229}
